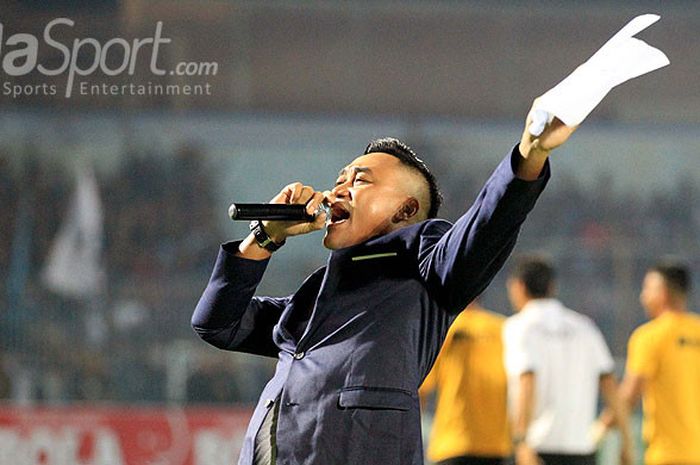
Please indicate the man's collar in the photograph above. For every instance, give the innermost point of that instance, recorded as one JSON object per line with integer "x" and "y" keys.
{"x": 396, "y": 242}
{"x": 542, "y": 304}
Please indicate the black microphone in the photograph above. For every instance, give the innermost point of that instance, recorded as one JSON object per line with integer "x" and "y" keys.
{"x": 269, "y": 211}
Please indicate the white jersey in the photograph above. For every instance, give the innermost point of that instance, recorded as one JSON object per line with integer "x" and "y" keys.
{"x": 567, "y": 354}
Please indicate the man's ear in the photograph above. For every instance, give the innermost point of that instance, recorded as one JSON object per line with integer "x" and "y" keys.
{"x": 408, "y": 210}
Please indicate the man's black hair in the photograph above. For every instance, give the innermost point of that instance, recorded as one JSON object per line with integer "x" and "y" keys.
{"x": 676, "y": 275}
{"x": 408, "y": 157}
{"x": 536, "y": 273}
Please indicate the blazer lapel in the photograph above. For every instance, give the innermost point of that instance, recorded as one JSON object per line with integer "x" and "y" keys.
{"x": 364, "y": 263}
{"x": 294, "y": 321}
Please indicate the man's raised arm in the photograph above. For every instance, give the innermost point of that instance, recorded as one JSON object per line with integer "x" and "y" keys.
{"x": 458, "y": 264}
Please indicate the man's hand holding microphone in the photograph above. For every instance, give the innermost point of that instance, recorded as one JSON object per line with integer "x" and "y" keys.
{"x": 268, "y": 235}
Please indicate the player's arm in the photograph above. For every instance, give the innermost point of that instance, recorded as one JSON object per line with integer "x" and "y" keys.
{"x": 642, "y": 364}
{"x": 628, "y": 395}
{"x": 631, "y": 390}
{"x": 521, "y": 418}
{"x": 520, "y": 357}
{"x": 617, "y": 413}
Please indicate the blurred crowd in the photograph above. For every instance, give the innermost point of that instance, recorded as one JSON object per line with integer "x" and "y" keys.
{"x": 160, "y": 241}
{"x": 160, "y": 237}
{"x": 602, "y": 238}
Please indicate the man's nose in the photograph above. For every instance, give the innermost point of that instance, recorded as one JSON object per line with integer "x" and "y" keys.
{"x": 340, "y": 191}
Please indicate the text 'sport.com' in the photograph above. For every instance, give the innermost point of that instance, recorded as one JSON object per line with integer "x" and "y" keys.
{"x": 20, "y": 54}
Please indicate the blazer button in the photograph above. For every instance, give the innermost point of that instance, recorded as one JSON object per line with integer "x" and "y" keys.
{"x": 299, "y": 355}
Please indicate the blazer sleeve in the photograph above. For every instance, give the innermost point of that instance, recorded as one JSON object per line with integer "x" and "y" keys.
{"x": 458, "y": 262}
{"x": 228, "y": 316}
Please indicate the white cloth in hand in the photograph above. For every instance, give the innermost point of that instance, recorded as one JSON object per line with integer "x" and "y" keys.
{"x": 622, "y": 58}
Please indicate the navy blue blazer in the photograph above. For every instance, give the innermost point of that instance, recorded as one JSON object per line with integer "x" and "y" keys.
{"x": 359, "y": 336}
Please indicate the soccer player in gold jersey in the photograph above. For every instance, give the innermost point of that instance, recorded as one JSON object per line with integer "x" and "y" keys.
{"x": 663, "y": 368}
{"x": 470, "y": 425}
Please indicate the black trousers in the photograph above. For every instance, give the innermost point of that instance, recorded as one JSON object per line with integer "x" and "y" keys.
{"x": 474, "y": 460}
{"x": 567, "y": 459}
{"x": 548, "y": 459}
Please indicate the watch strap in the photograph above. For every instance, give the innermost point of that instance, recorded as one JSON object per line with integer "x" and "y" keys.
{"x": 262, "y": 238}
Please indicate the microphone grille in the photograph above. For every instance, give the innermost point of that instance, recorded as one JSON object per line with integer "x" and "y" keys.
{"x": 233, "y": 211}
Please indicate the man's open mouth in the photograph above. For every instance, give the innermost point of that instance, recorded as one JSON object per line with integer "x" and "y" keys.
{"x": 338, "y": 214}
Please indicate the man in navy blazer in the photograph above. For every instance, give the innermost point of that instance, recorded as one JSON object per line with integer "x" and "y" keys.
{"x": 359, "y": 336}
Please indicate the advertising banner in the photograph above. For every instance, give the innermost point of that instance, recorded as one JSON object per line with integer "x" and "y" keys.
{"x": 121, "y": 435}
